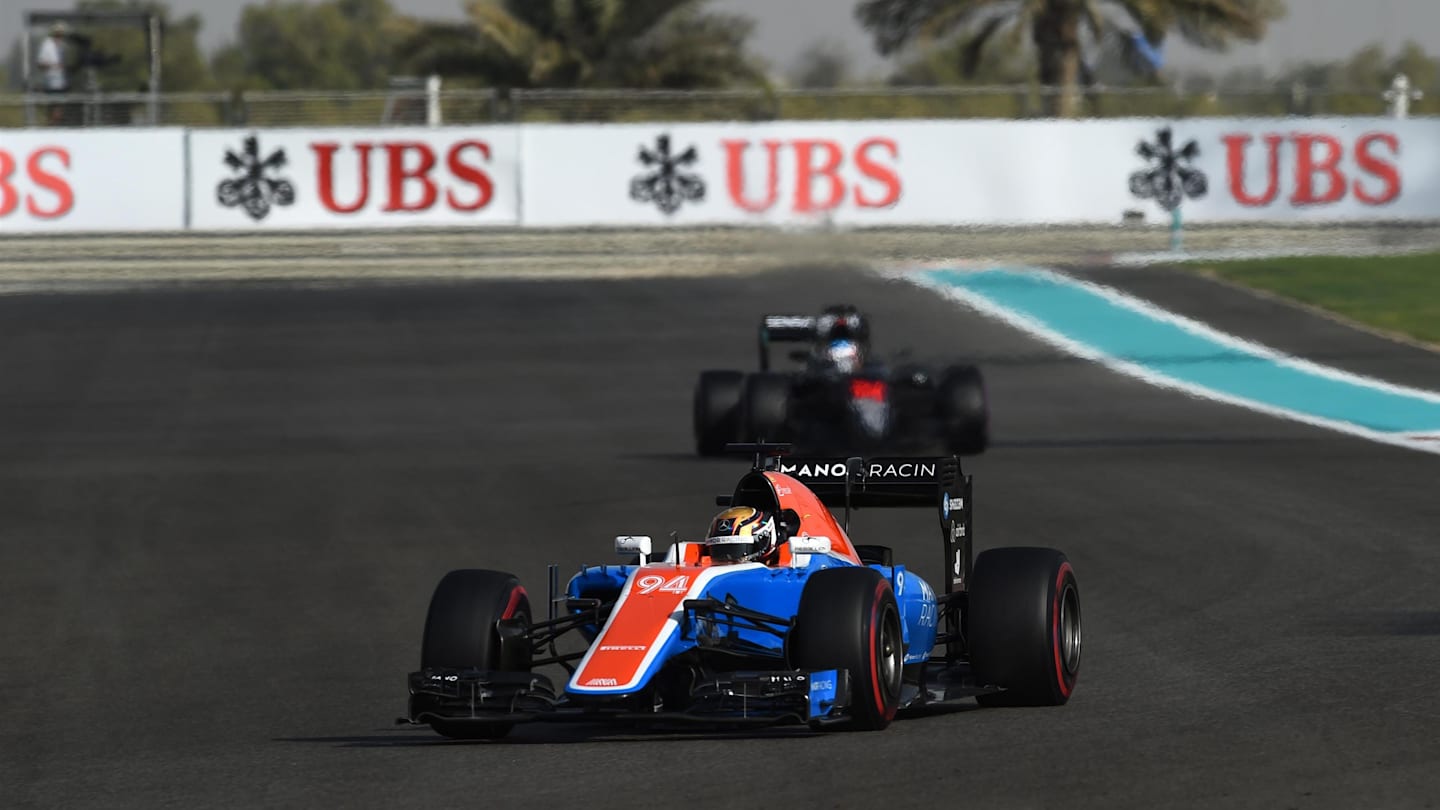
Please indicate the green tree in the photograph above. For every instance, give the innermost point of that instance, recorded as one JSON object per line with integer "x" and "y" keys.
{"x": 1371, "y": 69}
{"x": 124, "y": 61}
{"x": 822, "y": 65}
{"x": 586, "y": 43}
{"x": 1354, "y": 86}
{"x": 1413, "y": 61}
{"x": 1057, "y": 27}
{"x": 331, "y": 45}
{"x": 945, "y": 63}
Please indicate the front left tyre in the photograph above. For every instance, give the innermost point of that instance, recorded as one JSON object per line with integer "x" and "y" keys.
{"x": 964, "y": 410}
{"x": 461, "y": 633}
{"x": 1024, "y": 626}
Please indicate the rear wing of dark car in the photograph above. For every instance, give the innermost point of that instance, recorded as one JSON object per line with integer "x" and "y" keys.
{"x": 897, "y": 482}
{"x": 784, "y": 329}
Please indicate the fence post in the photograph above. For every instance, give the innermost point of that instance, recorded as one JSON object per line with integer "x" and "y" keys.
{"x": 1299, "y": 98}
{"x": 155, "y": 30}
{"x": 237, "y": 111}
{"x": 432, "y": 101}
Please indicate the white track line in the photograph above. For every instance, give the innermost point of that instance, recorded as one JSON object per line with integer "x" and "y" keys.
{"x": 1422, "y": 442}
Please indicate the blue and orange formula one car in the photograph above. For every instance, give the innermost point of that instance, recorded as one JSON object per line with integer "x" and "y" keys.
{"x": 775, "y": 617}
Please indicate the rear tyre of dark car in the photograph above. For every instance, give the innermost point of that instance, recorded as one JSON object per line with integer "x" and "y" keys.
{"x": 717, "y": 410}
{"x": 460, "y": 633}
{"x": 848, "y": 619}
{"x": 964, "y": 410}
{"x": 767, "y": 407}
{"x": 1024, "y": 626}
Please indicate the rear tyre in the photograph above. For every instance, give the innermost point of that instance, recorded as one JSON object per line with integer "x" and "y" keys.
{"x": 964, "y": 411}
{"x": 848, "y": 619}
{"x": 460, "y": 634}
{"x": 717, "y": 410}
{"x": 767, "y": 406}
{"x": 1024, "y": 626}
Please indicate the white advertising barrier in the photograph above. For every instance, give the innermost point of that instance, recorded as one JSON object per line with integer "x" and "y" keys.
{"x": 91, "y": 180}
{"x": 856, "y": 173}
{"x": 981, "y": 172}
{"x": 1215, "y": 169}
{"x": 354, "y": 178}
{"x": 770, "y": 173}
{"x": 1327, "y": 169}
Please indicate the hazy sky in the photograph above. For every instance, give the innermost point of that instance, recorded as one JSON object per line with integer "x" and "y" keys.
{"x": 1314, "y": 30}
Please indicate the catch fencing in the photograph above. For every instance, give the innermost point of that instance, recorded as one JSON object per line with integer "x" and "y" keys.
{"x": 409, "y": 105}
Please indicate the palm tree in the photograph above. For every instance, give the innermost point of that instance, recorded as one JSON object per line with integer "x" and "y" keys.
{"x": 1056, "y": 26}
{"x": 587, "y": 43}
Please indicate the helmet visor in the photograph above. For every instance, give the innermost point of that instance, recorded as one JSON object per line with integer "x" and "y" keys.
{"x": 732, "y": 548}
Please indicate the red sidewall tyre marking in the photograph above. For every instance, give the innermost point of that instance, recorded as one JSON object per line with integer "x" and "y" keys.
{"x": 886, "y": 711}
{"x": 516, "y": 595}
{"x": 1060, "y": 679}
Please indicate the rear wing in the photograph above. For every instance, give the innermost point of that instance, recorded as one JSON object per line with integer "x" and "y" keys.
{"x": 897, "y": 482}
{"x": 784, "y": 329}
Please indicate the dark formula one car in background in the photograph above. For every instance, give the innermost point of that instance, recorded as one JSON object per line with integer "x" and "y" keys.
{"x": 775, "y": 617}
{"x": 841, "y": 399}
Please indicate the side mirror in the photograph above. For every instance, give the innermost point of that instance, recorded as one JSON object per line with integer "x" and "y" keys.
{"x": 809, "y": 545}
{"x": 638, "y": 544}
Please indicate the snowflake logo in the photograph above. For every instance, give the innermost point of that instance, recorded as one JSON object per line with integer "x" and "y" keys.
{"x": 255, "y": 189}
{"x": 1171, "y": 177}
{"x": 666, "y": 183}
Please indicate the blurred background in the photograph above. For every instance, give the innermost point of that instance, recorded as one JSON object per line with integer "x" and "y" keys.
{"x": 217, "y": 62}
{"x": 274, "y": 367}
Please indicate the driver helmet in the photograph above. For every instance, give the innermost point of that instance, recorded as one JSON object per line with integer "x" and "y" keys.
{"x": 843, "y": 321}
{"x": 844, "y": 356}
{"x": 742, "y": 534}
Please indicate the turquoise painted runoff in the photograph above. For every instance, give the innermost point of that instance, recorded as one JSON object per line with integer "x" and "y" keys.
{"x": 1083, "y": 316}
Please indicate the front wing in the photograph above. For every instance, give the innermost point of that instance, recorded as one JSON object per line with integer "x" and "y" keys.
{"x": 728, "y": 698}
{"x": 735, "y": 698}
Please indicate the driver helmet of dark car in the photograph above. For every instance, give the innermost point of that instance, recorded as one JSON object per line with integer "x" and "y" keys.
{"x": 842, "y": 338}
{"x": 843, "y": 356}
{"x": 842, "y": 321}
{"x": 742, "y": 534}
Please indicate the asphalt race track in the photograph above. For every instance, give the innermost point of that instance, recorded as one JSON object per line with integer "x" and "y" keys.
{"x": 222, "y": 511}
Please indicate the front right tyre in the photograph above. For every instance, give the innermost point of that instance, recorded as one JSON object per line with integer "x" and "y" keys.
{"x": 1024, "y": 626}
{"x": 767, "y": 407}
{"x": 717, "y": 412}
